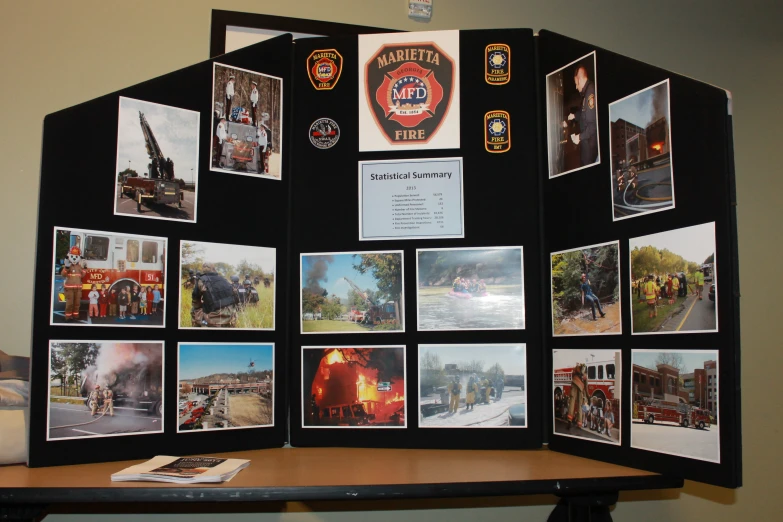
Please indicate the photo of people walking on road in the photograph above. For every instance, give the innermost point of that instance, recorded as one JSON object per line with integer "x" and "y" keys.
{"x": 640, "y": 147}
{"x": 480, "y": 288}
{"x": 157, "y": 161}
{"x": 353, "y": 387}
{"x": 572, "y": 117}
{"x": 247, "y": 123}
{"x": 472, "y": 386}
{"x": 224, "y": 386}
{"x": 352, "y": 292}
{"x": 586, "y": 291}
{"x": 104, "y": 389}
{"x": 674, "y": 288}
{"x": 587, "y": 387}
{"x": 226, "y": 286}
{"x": 674, "y": 398}
{"x": 108, "y": 279}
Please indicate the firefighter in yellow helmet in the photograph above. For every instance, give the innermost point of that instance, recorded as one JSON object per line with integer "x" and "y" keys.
{"x": 95, "y": 399}
{"x": 651, "y": 292}
{"x": 72, "y": 288}
{"x": 454, "y": 391}
{"x": 108, "y": 402}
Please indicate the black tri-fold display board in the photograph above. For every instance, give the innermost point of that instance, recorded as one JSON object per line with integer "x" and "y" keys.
{"x": 456, "y": 239}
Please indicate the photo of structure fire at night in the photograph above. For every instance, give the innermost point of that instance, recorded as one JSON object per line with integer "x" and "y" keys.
{"x": 353, "y": 387}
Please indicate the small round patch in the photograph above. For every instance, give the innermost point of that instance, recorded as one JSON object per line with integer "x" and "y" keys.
{"x": 324, "y": 133}
{"x": 591, "y": 101}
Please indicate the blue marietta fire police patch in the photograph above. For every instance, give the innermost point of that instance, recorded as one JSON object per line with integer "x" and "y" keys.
{"x": 497, "y": 64}
{"x": 497, "y": 131}
{"x": 324, "y": 133}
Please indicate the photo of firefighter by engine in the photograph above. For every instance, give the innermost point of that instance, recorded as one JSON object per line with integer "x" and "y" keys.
{"x": 104, "y": 389}
{"x": 641, "y": 152}
{"x": 151, "y": 140}
{"x": 586, "y": 394}
{"x": 247, "y": 122}
{"x": 353, "y": 387}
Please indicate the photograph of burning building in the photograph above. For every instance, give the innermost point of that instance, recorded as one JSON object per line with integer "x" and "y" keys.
{"x": 352, "y": 292}
{"x": 674, "y": 397}
{"x": 353, "y": 387}
{"x": 104, "y": 389}
{"x": 586, "y": 291}
{"x": 225, "y": 386}
{"x": 587, "y": 388}
{"x": 247, "y": 122}
{"x": 640, "y": 147}
{"x": 478, "y": 288}
{"x": 472, "y": 386}
{"x": 572, "y": 117}
{"x": 157, "y": 161}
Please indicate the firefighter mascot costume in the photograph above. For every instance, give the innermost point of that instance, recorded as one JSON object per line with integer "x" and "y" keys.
{"x": 578, "y": 389}
{"x": 214, "y": 301}
{"x": 73, "y": 272}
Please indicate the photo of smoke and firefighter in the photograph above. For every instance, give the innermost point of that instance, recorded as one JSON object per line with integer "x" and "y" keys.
{"x": 586, "y": 291}
{"x": 352, "y": 292}
{"x": 157, "y": 161}
{"x": 353, "y": 387}
{"x": 586, "y": 394}
{"x": 640, "y": 148}
{"x": 104, "y": 389}
{"x": 674, "y": 288}
{"x": 675, "y": 403}
{"x": 472, "y": 386}
{"x": 246, "y": 122}
{"x": 226, "y": 286}
{"x": 470, "y": 289}
{"x": 225, "y": 386}
{"x": 572, "y": 117}
{"x": 108, "y": 279}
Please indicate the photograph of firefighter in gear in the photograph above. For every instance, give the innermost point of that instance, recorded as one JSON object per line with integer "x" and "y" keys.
{"x": 353, "y": 387}
{"x": 157, "y": 161}
{"x": 246, "y": 122}
{"x": 586, "y": 395}
{"x": 472, "y": 386}
{"x": 572, "y": 117}
{"x": 104, "y": 389}
{"x": 640, "y": 148}
{"x": 226, "y": 286}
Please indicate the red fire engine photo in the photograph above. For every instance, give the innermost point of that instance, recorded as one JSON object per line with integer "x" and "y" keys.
{"x": 108, "y": 279}
{"x": 586, "y": 394}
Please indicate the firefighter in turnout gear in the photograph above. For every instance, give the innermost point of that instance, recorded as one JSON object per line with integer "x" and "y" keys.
{"x": 578, "y": 390}
{"x": 94, "y": 399}
{"x": 214, "y": 302}
{"x": 454, "y": 390}
{"x": 73, "y": 272}
{"x": 108, "y": 402}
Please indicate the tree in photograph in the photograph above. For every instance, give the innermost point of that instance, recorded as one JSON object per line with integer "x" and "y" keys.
{"x": 473, "y": 366}
{"x": 311, "y": 303}
{"x": 496, "y": 370}
{"x": 192, "y": 258}
{"x": 62, "y": 244}
{"x": 432, "y": 371}
{"x": 386, "y": 268}
{"x": 673, "y": 359}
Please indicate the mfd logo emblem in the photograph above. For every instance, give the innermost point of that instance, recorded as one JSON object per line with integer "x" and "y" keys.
{"x": 323, "y": 68}
{"x": 497, "y": 64}
{"x": 409, "y": 88}
{"x": 497, "y": 131}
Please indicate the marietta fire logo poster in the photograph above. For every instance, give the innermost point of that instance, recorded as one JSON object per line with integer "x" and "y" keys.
{"x": 409, "y": 91}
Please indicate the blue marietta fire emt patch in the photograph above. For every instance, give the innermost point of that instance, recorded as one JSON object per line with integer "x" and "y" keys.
{"x": 497, "y": 131}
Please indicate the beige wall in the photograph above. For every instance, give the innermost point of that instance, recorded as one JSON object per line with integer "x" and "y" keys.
{"x": 54, "y": 54}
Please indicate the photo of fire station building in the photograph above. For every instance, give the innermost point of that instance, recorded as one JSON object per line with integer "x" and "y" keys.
{"x": 699, "y": 388}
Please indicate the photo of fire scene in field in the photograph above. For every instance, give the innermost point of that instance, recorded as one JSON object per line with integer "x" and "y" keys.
{"x": 108, "y": 279}
{"x": 640, "y": 148}
{"x": 104, "y": 389}
{"x": 674, "y": 397}
{"x": 246, "y": 122}
{"x": 572, "y": 117}
{"x": 157, "y": 161}
{"x": 353, "y": 387}
{"x": 586, "y": 394}
{"x": 472, "y": 386}
{"x": 225, "y": 386}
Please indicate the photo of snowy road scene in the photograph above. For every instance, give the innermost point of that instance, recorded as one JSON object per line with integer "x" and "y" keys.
{"x": 472, "y": 386}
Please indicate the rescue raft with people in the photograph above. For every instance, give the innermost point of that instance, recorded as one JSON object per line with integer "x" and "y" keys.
{"x": 465, "y": 288}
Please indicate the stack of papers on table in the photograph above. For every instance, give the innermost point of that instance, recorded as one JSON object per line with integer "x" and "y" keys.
{"x": 183, "y": 470}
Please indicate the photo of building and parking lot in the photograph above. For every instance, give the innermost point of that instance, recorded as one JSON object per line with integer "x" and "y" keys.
{"x": 675, "y": 403}
{"x": 472, "y": 386}
{"x": 225, "y": 386}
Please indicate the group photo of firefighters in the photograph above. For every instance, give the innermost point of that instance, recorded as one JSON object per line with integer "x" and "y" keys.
{"x": 246, "y": 122}
{"x": 226, "y": 286}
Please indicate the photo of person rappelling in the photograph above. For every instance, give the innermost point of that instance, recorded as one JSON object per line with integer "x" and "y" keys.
{"x": 478, "y": 288}
{"x": 586, "y": 291}
{"x": 104, "y": 389}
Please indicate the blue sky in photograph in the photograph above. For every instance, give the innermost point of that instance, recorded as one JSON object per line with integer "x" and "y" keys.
{"x": 638, "y": 108}
{"x": 200, "y": 360}
{"x": 341, "y": 266}
{"x": 692, "y": 360}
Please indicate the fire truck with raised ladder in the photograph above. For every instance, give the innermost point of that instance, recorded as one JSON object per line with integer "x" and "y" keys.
{"x": 159, "y": 186}
{"x": 375, "y": 314}
{"x": 600, "y": 380}
{"x": 656, "y": 410}
{"x": 117, "y": 260}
